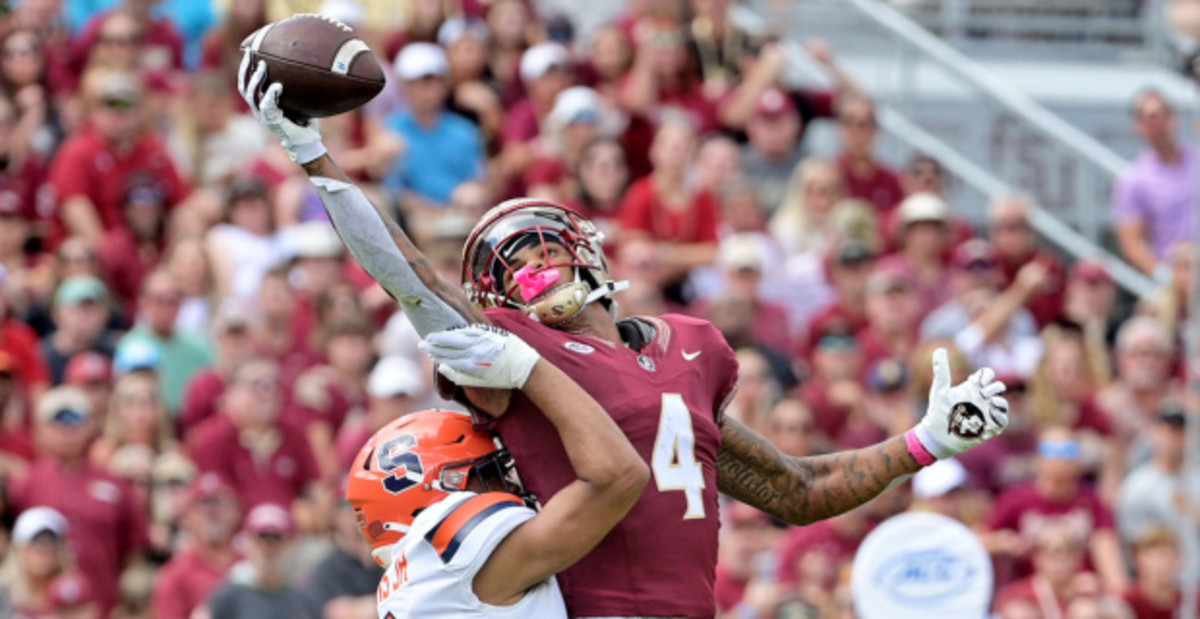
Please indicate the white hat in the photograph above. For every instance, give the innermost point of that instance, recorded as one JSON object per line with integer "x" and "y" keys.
{"x": 64, "y": 405}
{"x": 313, "y": 239}
{"x": 923, "y": 206}
{"x": 939, "y": 478}
{"x": 392, "y": 376}
{"x": 575, "y": 104}
{"x": 34, "y": 521}
{"x": 419, "y": 60}
{"x": 349, "y": 12}
{"x": 742, "y": 251}
{"x": 540, "y": 58}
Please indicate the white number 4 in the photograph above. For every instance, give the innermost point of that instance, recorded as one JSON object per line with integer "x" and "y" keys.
{"x": 674, "y": 460}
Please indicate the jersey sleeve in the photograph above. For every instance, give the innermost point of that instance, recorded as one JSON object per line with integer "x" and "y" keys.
{"x": 723, "y": 373}
{"x": 466, "y": 536}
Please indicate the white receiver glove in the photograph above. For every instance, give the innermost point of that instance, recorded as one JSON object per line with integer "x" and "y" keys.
{"x": 302, "y": 142}
{"x": 481, "y": 356}
{"x": 962, "y": 416}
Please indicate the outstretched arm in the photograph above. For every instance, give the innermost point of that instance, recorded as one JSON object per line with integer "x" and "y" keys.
{"x": 804, "y": 490}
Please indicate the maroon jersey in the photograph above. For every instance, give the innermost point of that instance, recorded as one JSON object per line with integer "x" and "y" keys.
{"x": 667, "y": 398}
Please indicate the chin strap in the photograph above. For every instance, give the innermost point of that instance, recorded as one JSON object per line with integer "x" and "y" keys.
{"x": 606, "y": 289}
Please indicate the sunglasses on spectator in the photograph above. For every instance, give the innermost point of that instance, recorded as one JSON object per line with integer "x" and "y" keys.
{"x": 268, "y": 536}
{"x": 120, "y": 104}
{"x": 858, "y": 123}
{"x": 172, "y": 482}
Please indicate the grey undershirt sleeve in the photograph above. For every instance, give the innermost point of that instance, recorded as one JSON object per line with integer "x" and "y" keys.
{"x": 364, "y": 232}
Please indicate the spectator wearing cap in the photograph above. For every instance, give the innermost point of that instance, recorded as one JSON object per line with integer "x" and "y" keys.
{"x": 893, "y": 313}
{"x": 257, "y": 586}
{"x": 1057, "y": 496}
{"x": 865, "y": 177}
{"x": 1144, "y": 358}
{"x": 90, "y": 172}
{"x": 545, "y": 71}
{"x": 1157, "y": 559}
{"x": 939, "y": 488}
{"x": 345, "y": 581}
{"x": 773, "y": 151}
{"x": 802, "y": 221}
{"x": 663, "y": 207}
{"x": 1016, "y": 245}
{"x": 442, "y": 149}
{"x": 325, "y": 396}
{"x": 264, "y": 459}
{"x": 832, "y": 389}
{"x": 577, "y": 120}
{"x": 211, "y": 143}
{"x": 742, "y": 261}
{"x": 211, "y": 519}
{"x": 924, "y": 240}
{"x": 234, "y": 329}
{"x": 1154, "y": 493}
{"x": 91, "y": 372}
{"x": 106, "y": 528}
{"x": 128, "y": 252}
{"x": 81, "y": 314}
{"x": 974, "y": 266}
{"x": 888, "y": 403}
{"x": 245, "y": 244}
{"x": 183, "y": 353}
{"x": 394, "y": 389}
{"x": 849, "y": 266}
{"x": 1152, "y": 201}
{"x": 39, "y": 554}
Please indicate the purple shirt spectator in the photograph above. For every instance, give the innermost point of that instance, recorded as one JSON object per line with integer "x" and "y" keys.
{"x": 1159, "y": 196}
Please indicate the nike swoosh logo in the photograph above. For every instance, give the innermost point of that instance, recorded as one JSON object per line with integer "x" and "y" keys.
{"x": 688, "y": 356}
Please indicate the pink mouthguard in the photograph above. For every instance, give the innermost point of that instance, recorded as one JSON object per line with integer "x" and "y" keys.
{"x": 533, "y": 284}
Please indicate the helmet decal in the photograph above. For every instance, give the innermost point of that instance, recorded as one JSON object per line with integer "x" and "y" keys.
{"x": 396, "y": 457}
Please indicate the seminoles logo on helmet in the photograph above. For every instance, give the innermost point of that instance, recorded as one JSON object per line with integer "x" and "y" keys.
{"x": 967, "y": 421}
{"x": 396, "y": 457}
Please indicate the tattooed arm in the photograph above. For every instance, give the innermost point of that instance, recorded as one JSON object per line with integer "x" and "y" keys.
{"x": 804, "y": 490}
{"x": 388, "y": 255}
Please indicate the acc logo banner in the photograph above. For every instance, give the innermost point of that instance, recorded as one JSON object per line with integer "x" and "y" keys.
{"x": 397, "y": 458}
{"x": 922, "y": 565}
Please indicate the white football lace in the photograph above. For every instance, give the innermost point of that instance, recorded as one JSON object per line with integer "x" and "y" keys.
{"x": 327, "y": 18}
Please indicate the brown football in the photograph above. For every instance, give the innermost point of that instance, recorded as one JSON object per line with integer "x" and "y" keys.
{"x": 324, "y": 67}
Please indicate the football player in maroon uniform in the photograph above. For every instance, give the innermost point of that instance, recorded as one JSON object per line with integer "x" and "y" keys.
{"x": 538, "y": 270}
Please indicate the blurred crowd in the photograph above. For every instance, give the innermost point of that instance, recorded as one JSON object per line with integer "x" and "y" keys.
{"x": 189, "y": 360}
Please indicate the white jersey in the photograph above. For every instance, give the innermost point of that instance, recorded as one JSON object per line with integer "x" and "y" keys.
{"x": 434, "y": 565}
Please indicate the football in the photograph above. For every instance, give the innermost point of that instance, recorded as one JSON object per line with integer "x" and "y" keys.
{"x": 324, "y": 67}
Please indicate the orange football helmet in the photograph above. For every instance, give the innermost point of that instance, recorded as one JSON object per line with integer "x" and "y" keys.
{"x": 416, "y": 461}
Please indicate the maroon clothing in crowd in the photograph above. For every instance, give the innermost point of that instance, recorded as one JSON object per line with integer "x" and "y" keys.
{"x": 106, "y": 525}
{"x": 729, "y": 589}
{"x": 184, "y": 583}
{"x": 1023, "y": 510}
{"x": 126, "y": 264}
{"x": 200, "y": 399}
{"x": 1144, "y": 608}
{"x": 162, "y": 46}
{"x": 881, "y": 188}
{"x": 21, "y": 343}
{"x": 1047, "y": 304}
{"x": 86, "y": 165}
{"x": 820, "y": 537}
{"x": 643, "y": 211}
{"x": 216, "y": 446}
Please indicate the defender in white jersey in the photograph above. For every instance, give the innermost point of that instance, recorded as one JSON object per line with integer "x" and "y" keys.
{"x": 438, "y": 501}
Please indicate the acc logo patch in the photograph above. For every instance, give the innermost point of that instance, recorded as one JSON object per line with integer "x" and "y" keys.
{"x": 396, "y": 457}
{"x": 579, "y": 347}
{"x": 966, "y": 421}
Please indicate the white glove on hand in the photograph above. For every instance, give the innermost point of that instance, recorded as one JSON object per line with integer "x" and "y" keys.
{"x": 481, "y": 356}
{"x": 302, "y": 142}
{"x": 962, "y": 416}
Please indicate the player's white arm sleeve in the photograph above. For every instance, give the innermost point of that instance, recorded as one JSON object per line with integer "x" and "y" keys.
{"x": 364, "y": 232}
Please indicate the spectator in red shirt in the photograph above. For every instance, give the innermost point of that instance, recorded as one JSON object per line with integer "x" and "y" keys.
{"x": 545, "y": 71}
{"x": 211, "y": 519}
{"x": 91, "y": 372}
{"x": 106, "y": 529}
{"x": 664, "y": 79}
{"x": 742, "y": 258}
{"x": 924, "y": 242}
{"x": 1155, "y": 593}
{"x": 21, "y": 342}
{"x": 833, "y": 390}
{"x": 664, "y": 208}
{"x": 864, "y": 176}
{"x": 30, "y": 112}
{"x": 1017, "y": 245}
{"x": 91, "y": 170}
{"x": 1058, "y": 574}
{"x": 746, "y": 537}
{"x": 233, "y": 329}
{"x": 1057, "y": 496}
{"x": 219, "y": 49}
{"x": 154, "y": 40}
{"x": 893, "y": 311}
{"x": 264, "y": 460}
{"x": 849, "y": 268}
{"x": 601, "y": 179}
{"x": 129, "y": 252}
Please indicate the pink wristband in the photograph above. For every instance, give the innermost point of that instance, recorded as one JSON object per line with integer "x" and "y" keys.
{"x": 918, "y": 451}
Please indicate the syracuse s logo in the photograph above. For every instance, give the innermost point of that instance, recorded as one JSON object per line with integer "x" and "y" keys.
{"x": 396, "y": 457}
